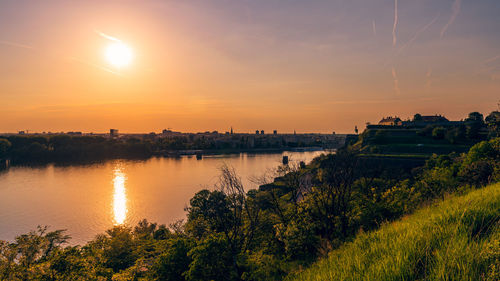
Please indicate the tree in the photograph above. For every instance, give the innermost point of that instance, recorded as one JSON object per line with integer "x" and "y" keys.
{"x": 20, "y": 260}
{"x": 417, "y": 117}
{"x": 212, "y": 260}
{"x": 4, "y": 147}
{"x": 211, "y": 208}
{"x": 174, "y": 260}
{"x": 329, "y": 201}
{"x": 475, "y": 117}
{"x": 493, "y": 123}
{"x": 474, "y": 122}
{"x": 226, "y": 211}
{"x": 118, "y": 248}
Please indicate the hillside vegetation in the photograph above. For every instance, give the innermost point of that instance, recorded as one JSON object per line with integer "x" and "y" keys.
{"x": 298, "y": 215}
{"x": 457, "y": 239}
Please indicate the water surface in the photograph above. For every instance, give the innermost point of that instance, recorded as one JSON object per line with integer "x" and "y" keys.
{"x": 88, "y": 199}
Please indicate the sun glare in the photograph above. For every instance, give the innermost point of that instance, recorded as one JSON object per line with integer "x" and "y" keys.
{"x": 119, "y": 197}
{"x": 118, "y": 54}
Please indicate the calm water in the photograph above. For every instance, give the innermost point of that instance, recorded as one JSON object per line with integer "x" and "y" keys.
{"x": 87, "y": 200}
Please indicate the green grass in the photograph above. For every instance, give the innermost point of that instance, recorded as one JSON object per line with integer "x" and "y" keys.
{"x": 456, "y": 239}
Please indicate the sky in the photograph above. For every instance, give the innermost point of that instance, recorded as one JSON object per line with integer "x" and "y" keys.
{"x": 198, "y": 65}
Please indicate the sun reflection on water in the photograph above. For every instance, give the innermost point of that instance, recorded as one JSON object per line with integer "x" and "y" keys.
{"x": 119, "y": 197}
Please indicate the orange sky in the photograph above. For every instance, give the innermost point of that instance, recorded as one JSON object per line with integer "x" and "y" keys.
{"x": 319, "y": 66}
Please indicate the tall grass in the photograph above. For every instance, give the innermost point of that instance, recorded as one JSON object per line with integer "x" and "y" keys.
{"x": 457, "y": 239}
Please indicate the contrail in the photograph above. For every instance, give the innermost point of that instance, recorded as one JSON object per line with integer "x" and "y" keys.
{"x": 14, "y": 44}
{"x": 104, "y": 35}
{"x": 428, "y": 75}
{"x": 396, "y": 81}
{"x": 374, "y": 27}
{"x": 394, "y": 39}
{"x": 417, "y": 34}
{"x": 455, "y": 10}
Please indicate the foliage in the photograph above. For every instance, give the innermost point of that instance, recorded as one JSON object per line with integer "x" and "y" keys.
{"x": 173, "y": 260}
{"x": 459, "y": 239}
{"x": 213, "y": 260}
{"x": 300, "y": 213}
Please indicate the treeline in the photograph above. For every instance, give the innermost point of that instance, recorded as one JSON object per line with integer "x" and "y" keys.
{"x": 23, "y": 149}
{"x": 66, "y": 148}
{"x": 298, "y": 214}
{"x": 474, "y": 128}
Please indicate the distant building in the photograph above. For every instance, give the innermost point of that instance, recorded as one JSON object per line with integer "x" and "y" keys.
{"x": 231, "y": 130}
{"x": 275, "y": 132}
{"x": 113, "y": 132}
{"x": 256, "y": 132}
{"x": 418, "y": 121}
{"x": 261, "y": 132}
{"x": 390, "y": 121}
{"x": 21, "y": 133}
{"x": 74, "y": 133}
{"x": 433, "y": 119}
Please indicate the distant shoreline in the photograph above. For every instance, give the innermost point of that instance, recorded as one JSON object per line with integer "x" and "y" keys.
{"x": 173, "y": 154}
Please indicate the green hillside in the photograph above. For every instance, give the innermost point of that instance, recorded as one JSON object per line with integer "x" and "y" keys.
{"x": 456, "y": 239}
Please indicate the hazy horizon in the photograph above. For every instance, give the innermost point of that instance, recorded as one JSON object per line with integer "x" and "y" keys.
{"x": 309, "y": 66}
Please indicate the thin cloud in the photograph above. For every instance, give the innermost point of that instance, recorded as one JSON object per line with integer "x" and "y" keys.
{"x": 424, "y": 28}
{"x": 395, "y": 26}
{"x": 455, "y": 8}
{"x": 24, "y": 46}
{"x": 15, "y": 44}
{"x": 109, "y": 37}
{"x": 374, "y": 28}
{"x": 95, "y": 65}
{"x": 492, "y": 59}
{"x": 396, "y": 81}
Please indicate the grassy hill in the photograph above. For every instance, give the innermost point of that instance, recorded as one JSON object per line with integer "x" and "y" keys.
{"x": 456, "y": 239}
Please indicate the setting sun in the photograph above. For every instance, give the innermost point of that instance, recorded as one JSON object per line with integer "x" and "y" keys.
{"x": 118, "y": 54}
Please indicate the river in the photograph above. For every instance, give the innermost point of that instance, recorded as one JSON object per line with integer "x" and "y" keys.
{"x": 88, "y": 199}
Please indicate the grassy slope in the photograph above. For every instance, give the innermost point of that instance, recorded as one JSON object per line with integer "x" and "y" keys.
{"x": 457, "y": 239}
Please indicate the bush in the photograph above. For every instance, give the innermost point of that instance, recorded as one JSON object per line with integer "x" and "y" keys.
{"x": 438, "y": 133}
{"x": 212, "y": 260}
